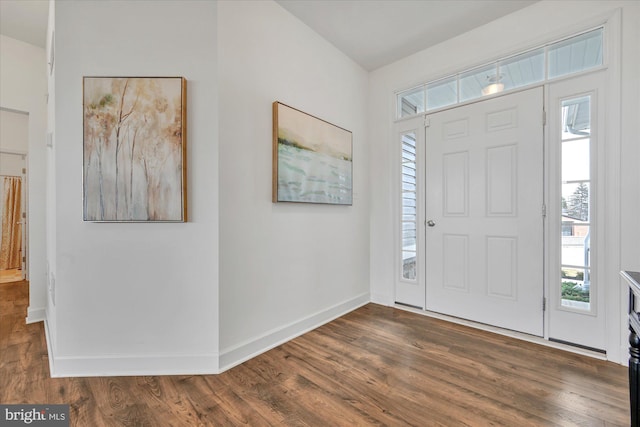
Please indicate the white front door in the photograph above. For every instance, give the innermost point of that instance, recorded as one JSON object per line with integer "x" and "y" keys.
{"x": 484, "y": 212}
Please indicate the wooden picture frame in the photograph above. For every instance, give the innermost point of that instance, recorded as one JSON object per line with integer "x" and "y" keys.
{"x": 312, "y": 159}
{"x": 134, "y": 149}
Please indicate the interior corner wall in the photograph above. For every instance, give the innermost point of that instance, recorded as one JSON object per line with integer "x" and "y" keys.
{"x": 23, "y": 87}
{"x": 50, "y": 310}
{"x": 136, "y": 298}
{"x": 284, "y": 268}
{"x": 523, "y": 29}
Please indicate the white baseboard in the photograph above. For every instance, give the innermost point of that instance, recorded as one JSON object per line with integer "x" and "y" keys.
{"x": 172, "y": 364}
{"x": 47, "y": 337}
{"x": 108, "y": 366}
{"x": 35, "y": 314}
{"x": 127, "y": 365}
{"x": 240, "y": 353}
{"x": 382, "y": 298}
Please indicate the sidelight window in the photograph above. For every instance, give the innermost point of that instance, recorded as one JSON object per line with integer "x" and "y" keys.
{"x": 576, "y": 203}
{"x": 409, "y": 207}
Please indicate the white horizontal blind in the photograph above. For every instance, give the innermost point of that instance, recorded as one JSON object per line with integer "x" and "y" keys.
{"x": 409, "y": 207}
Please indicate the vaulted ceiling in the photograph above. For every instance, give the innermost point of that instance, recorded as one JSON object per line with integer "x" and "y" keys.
{"x": 25, "y": 20}
{"x": 371, "y": 32}
{"x": 377, "y": 32}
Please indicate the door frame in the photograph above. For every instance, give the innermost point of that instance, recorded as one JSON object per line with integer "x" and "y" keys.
{"x": 614, "y": 298}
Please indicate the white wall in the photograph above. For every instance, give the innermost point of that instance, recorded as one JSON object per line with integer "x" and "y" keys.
{"x": 245, "y": 274}
{"x": 14, "y": 131}
{"x": 11, "y": 165}
{"x": 24, "y": 86}
{"x": 14, "y": 139}
{"x": 525, "y": 28}
{"x": 50, "y": 311}
{"x": 630, "y": 152}
{"x": 136, "y": 298}
{"x": 284, "y": 268}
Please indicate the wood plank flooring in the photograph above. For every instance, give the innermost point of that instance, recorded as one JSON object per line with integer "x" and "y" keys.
{"x": 13, "y": 275}
{"x": 374, "y": 366}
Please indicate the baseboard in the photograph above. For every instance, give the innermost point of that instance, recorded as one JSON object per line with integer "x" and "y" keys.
{"x": 382, "y": 298}
{"x": 242, "y": 352}
{"x": 624, "y": 352}
{"x": 127, "y": 365}
{"x": 35, "y": 314}
{"x": 47, "y": 338}
{"x": 171, "y": 364}
{"x": 142, "y": 365}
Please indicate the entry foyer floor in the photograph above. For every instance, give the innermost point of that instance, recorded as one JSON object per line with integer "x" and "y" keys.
{"x": 374, "y": 366}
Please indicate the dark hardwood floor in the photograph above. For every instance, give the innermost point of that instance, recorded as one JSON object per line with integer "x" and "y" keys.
{"x": 374, "y": 366}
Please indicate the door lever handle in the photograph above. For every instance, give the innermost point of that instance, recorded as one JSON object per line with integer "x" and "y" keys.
{"x": 430, "y": 223}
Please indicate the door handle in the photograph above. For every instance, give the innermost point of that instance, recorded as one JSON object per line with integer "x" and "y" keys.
{"x": 430, "y": 223}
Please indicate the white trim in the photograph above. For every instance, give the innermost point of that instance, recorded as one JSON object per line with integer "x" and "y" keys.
{"x": 556, "y": 36}
{"x": 133, "y": 365}
{"x": 407, "y": 289}
{"x": 35, "y": 315}
{"x": 615, "y": 299}
{"x": 248, "y": 349}
{"x": 47, "y": 336}
{"x": 601, "y": 20}
{"x": 547, "y": 177}
{"x": 127, "y": 365}
{"x": 615, "y": 316}
{"x": 505, "y": 92}
{"x": 382, "y": 298}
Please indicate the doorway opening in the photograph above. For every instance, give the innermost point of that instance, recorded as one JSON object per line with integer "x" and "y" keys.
{"x": 14, "y": 137}
{"x": 13, "y": 217}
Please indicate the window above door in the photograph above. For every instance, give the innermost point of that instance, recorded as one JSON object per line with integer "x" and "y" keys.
{"x": 569, "y": 56}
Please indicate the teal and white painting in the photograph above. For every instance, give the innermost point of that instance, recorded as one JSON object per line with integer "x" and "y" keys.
{"x": 312, "y": 159}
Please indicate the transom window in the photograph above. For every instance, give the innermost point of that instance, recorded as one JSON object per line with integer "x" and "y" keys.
{"x": 552, "y": 61}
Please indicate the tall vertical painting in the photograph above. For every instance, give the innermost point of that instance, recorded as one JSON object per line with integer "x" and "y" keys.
{"x": 135, "y": 149}
{"x": 312, "y": 159}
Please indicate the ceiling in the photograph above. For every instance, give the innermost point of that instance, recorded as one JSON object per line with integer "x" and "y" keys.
{"x": 378, "y": 32}
{"x": 371, "y": 32}
{"x": 25, "y": 20}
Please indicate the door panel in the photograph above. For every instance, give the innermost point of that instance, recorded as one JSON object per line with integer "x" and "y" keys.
{"x": 484, "y": 197}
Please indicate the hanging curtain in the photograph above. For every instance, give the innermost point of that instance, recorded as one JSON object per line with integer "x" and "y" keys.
{"x": 11, "y": 246}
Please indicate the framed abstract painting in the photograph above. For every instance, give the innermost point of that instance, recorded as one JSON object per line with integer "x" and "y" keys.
{"x": 134, "y": 147}
{"x": 312, "y": 159}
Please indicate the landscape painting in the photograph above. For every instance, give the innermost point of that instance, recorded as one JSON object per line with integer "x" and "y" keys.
{"x": 134, "y": 149}
{"x": 312, "y": 159}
